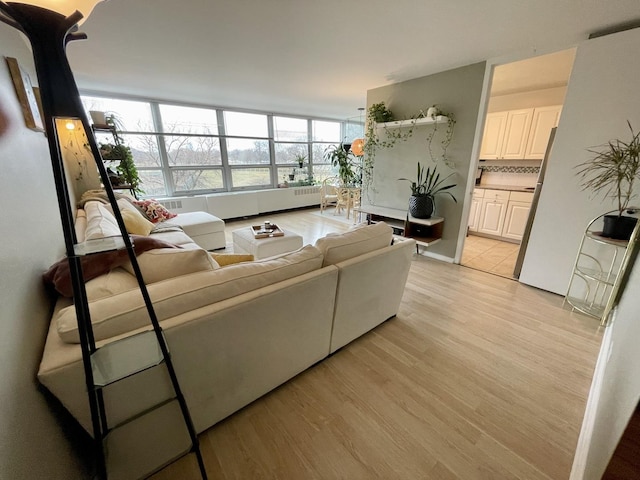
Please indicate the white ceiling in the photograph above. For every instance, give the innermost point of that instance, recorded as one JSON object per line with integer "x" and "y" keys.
{"x": 315, "y": 57}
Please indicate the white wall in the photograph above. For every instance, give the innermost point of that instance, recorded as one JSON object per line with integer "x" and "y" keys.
{"x": 616, "y": 387}
{"x": 602, "y": 94}
{"x": 33, "y": 442}
{"x": 532, "y": 99}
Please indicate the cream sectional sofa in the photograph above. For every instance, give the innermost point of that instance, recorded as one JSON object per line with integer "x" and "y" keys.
{"x": 236, "y": 332}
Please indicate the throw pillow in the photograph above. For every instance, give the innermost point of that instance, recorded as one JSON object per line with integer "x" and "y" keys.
{"x": 154, "y": 211}
{"x": 135, "y": 223}
{"x": 100, "y": 222}
{"x": 223, "y": 259}
{"x": 59, "y": 276}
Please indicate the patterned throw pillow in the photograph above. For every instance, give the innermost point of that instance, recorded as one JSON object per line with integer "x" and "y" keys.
{"x": 154, "y": 211}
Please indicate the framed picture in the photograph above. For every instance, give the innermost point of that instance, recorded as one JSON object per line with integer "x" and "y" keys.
{"x": 26, "y": 95}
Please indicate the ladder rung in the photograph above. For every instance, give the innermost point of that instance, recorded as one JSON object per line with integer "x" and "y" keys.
{"x": 98, "y": 245}
{"x": 147, "y": 444}
{"x": 146, "y": 411}
{"x": 123, "y": 358}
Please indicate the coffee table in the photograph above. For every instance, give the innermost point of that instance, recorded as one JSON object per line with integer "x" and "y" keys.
{"x": 244, "y": 241}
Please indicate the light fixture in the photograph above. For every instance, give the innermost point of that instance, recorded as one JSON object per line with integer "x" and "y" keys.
{"x": 357, "y": 147}
{"x": 66, "y": 7}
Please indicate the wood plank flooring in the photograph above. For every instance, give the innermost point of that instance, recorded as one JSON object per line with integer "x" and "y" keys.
{"x": 478, "y": 377}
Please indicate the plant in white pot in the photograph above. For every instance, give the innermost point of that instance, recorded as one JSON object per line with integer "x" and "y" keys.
{"x": 427, "y": 186}
{"x": 612, "y": 172}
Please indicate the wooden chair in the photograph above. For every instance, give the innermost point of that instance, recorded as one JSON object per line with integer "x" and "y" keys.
{"x": 328, "y": 193}
{"x": 343, "y": 201}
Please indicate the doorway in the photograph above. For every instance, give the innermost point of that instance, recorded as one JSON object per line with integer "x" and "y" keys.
{"x": 525, "y": 104}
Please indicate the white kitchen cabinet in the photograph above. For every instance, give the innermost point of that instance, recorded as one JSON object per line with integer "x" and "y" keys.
{"x": 493, "y": 211}
{"x": 516, "y": 134}
{"x": 474, "y": 213}
{"x": 505, "y": 135}
{"x": 494, "y": 128}
{"x": 516, "y": 215}
{"x": 544, "y": 119}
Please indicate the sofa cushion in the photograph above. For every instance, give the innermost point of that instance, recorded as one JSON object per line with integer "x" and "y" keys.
{"x": 111, "y": 283}
{"x": 163, "y": 263}
{"x": 100, "y": 221}
{"x": 126, "y": 312}
{"x": 357, "y": 241}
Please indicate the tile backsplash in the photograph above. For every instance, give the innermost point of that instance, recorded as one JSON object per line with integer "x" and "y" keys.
{"x": 516, "y": 173}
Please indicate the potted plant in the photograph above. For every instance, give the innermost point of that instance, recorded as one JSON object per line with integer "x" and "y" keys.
{"x": 428, "y": 184}
{"x": 613, "y": 171}
{"x": 341, "y": 157}
{"x": 126, "y": 167}
{"x": 300, "y": 159}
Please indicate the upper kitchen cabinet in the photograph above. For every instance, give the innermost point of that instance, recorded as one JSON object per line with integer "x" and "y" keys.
{"x": 544, "y": 119}
{"x": 518, "y": 134}
{"x": 494, "y": 128}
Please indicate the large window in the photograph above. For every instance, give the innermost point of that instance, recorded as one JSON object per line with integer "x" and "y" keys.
{"x": 182, "y": 149}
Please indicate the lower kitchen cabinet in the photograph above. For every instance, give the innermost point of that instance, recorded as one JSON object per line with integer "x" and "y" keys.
{"x": 493, "y": 211}
{"x": 500, "y": 213}
{"x": 476, "y": 208}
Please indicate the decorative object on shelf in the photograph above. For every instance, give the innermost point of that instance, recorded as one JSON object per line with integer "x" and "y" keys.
{"x": 26, "y": 95}
{"x": 613, "y": 171}
{"x": 424, "y": 190}
{"x": 340, "y": 156}
{"x": 379, "y": 113}
{"x": 98, "y": 118}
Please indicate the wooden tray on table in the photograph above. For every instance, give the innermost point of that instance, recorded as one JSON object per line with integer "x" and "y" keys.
{"x": 273, "y": 231}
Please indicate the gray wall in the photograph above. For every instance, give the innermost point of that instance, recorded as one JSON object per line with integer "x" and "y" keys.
{"x": 33, "y": 442}
{"x": 602, "y": 95}
{"x": 458, "y": 91}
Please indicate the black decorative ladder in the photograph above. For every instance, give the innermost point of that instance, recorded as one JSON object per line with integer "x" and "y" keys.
{"x": 49, "y": 32}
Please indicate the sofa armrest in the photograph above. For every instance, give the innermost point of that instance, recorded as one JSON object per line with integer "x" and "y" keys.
{"x": 370, "y": 289}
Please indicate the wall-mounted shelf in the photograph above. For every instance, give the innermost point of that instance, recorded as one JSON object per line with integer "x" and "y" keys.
{"x": 414, "y": 122}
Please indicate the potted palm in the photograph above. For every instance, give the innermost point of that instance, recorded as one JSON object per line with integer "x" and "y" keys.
{"x": 428, "y": 184}
{"x": 612, "y": 171}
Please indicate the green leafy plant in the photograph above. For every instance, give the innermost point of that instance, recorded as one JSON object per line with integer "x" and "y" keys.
{"x": 613, "y": 170}
{"x": 429, "y": 184}
{"x": 126, "y": 167}
{"x": 347, "y": 166}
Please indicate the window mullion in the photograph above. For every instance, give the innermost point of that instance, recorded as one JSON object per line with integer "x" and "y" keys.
{"x": 162, "y": 148}
{"x": 224, "y": 156}
{"x": 272, "y": 149}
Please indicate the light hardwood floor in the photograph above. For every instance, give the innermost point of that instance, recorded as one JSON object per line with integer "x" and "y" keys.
{"x": 478, "y": 377}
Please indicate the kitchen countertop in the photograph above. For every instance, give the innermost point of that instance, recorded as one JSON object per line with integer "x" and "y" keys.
{"x": 511, "y": 188}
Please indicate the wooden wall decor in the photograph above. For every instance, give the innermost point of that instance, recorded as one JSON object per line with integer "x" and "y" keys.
{"x": 26, "y": 95}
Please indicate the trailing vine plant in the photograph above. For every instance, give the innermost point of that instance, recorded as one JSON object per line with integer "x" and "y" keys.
{"x": 434, "y": 112}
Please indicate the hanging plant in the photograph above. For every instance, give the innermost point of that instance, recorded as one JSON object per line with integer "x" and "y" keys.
{"x": 378, "y": 113}
{"x": 433, "y": 112}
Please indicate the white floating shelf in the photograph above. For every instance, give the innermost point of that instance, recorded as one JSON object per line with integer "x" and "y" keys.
{"x": 413, "y": 122}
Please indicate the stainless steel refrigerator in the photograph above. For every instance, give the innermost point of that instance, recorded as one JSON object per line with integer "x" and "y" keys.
{"x": 534, "y": 206}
